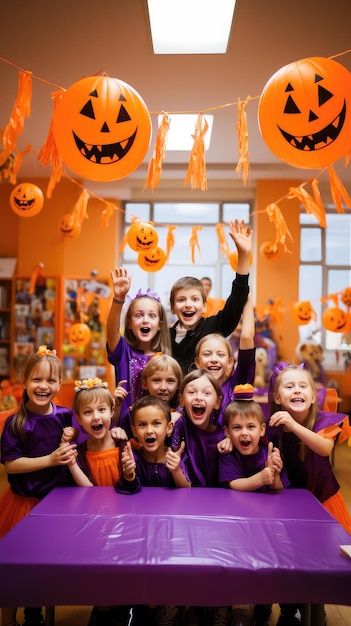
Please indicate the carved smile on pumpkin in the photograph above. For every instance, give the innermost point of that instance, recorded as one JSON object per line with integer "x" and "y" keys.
{"x": 319, "y": 140}
{"x": 24, "y": 205}
{"x": 104, "y": 154}
{"x": 145, "y": 244}
{"x": 149, "y": 261}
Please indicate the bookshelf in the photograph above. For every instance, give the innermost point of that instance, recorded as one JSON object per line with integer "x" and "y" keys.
{"x": 5, "y": 328}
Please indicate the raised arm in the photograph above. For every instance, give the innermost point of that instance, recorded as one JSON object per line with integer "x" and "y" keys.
{"x": 121, "y": 282}
{"x": 247, "y": 333}
{"x": 241, "y": 234}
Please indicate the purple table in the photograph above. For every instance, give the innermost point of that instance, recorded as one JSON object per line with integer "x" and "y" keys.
{"x": 213, "y": 547}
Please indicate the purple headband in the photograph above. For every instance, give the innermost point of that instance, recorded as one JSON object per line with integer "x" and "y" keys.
{"x": 147, "y": 294}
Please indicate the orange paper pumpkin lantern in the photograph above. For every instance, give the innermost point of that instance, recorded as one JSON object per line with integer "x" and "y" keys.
{"x": 79, "y": 335}
{"x": 152, "y": 261}
{"x": 271, "y": 250}
{"x": 346, "y": 296}
{"x": 305, "y": 112}
{"x": 335, "y": 320}
{"x": 102, "y": 128}
{"x": 26, "y": 200}
{"x": 303, "y": 312}
{"x": 142, "y": 236}
{"x": 69, "y": 227}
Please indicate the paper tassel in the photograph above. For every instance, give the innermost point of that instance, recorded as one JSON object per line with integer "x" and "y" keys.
{"x": 18, "y": 162}
{"x": 194, "y": 242}
{"x": 317, "y": 198}
{"x": 243, "y": 141}
{"x": 331, "y": 297}
{"x": 21, "y": 109}
{"x": 223, "y": 244}
{"x": 48, "y": 153}
{"x": 308, "y": 204}
{"x": 155, "y": 165}
{"x": 111, "y": 207}
{"x": 338, "y": 191}
{"x": 196, "y": 173}
{"x": 79, "y": 212}
{"x": 34, "y": 277}
{"x": 170, "y": 240}
{"x": 275, "y": 215}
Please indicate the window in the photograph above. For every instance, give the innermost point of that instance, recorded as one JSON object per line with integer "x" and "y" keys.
{"x": 209, "y": 261}
{"x": 325, "y": 270}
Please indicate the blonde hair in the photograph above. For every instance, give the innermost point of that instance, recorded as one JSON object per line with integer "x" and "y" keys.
{"x": 218, "y": 337}
{"x": 162, "y": 362}
{"x": 245, "y": 408}
{"x": 162, "y": 340}
{"x": 94, "y": 394}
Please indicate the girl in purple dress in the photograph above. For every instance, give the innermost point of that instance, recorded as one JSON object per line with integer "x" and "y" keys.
{"x": 146, "y": 333}
{"x": 32, "y": 453}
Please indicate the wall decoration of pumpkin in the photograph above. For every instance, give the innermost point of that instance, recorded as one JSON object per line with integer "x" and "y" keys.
{"x": 142, "y": 236}
{"x": 152, "y": 261}
{"x": 271, "y": 250}
{"x": 102, "y": 128}
{"x": 304, "y": 112}
{"x": 69, "y": 227}
{"x": 303, "y": 312}
{"x": 26, "y": 200}
{"x": 336, "y": 320}
{"x": 346, "y": 296}
{"x": 79, "y": 334}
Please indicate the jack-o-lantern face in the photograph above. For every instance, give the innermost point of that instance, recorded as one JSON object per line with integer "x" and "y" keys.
{"x": 346, "y": 296}
{"x": 26, "y": 200}
{"x": 305, "y": 112}
{"x": 69, "y": 227}
{"x": 303, "y": 312}
{"x": 153, "y": 260}
{"x": 335, "y": 319}
{"x": 102, "y": 128}
{"x": 142, "y": 237}
{"x": 79, "y": 335}
{"x": 271, "y": 251}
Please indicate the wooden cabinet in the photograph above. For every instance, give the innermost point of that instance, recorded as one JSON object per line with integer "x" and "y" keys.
{"x": 6, "y": 356}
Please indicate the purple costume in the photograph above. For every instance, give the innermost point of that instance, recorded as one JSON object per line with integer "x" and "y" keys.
{"x": 128, "y": 364}
{"x": 235, "y": 465}
{"x": 200, "y": 454}
{"x": 42, "y": 436}
{"x": 243, "y": 373}
{"x": 314, "y": 472}
{"x": 148, "y": 474}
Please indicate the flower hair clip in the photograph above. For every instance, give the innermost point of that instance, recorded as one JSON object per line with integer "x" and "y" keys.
{"x": 147, "y": 294}
{"x": 89, "y": 383}
{"x": 44, "y": 351}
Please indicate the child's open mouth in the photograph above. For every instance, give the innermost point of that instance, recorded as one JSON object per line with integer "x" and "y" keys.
{"x": 97, "y": 427}
{"x": 145, "y": 330}
{"x": 198, "y": 410}
{"x": 188, "y": 314}
{"x": 245, "y": 444}
{"x": 150, "y": 440}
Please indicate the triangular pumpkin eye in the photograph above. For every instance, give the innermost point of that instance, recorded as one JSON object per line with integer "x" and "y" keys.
{"x": 88, "y": 110}
{"x": 323, "y": 95}
{"x": 290, "y": 106}
{"x": 123, "y": 115}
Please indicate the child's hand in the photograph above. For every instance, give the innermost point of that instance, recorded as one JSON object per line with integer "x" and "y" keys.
{"x": 69, "y": 433}
{"x": 128, "y": 461}
{"x": 267, "y": 476}
{"x": 173, "y": 458}
{"x": 283, "y": 418}
{"x": 274, "y": 460}
{"x": 65, "y": 454}
{"x": 225, "y": 445}
{"x": 118, "y": 434}
{"x": 121, "y": 282}
{"x": 241, "y": 234}
{"x": 120, "y": 392}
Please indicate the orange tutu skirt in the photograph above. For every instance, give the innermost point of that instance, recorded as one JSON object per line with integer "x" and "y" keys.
{"x": 336, "y": 506}
{"x": 13, "y": 508}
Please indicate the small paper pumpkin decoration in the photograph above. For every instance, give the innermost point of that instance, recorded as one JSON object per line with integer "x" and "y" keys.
{"x": 304, "y": 112}
{"x": 102, "y": 128}
{"x": 142, "y": 236}
{"x": 335, "y": 320}
{"x": 69, "y": 227}
{"x": 271, "y": 250}
{"x": 152, "y": 261}
{"x": 79, "y": 334}
{"x": 303, "y": 312}
{"x": 346, "y": 296}
{"x": 26, "y": 200}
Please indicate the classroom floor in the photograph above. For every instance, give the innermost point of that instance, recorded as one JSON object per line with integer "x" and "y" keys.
{"x": 242, "y": 615}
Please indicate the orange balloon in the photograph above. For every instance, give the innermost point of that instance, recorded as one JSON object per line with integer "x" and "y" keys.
{"x": 102, "y": 128}
{"x": 142, "y": 236}
{"x": 335, "y": 320}
{"x": 303, "y": 312}
{"x": 346, "y": 296}
{"x": 271, "y": 251}
{"x": 79, "y": 335}
{"x": 233, "y": 260}
{"x": 152, "y": 261}
{"x": 69, "y": 227}
{"x": 304, "y": 112}
{"x": 26, "y": 200}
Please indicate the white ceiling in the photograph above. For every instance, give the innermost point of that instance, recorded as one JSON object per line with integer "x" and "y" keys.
{"x": 62, "y": 41}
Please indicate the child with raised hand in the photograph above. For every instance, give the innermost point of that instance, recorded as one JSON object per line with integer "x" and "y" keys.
{"x": 304, "y": 438}
{"x": 31, "y": 450}
{"x": 97, "y": 463}
{"x": 146, "y": 332}
{"x": 153, "y": 464}
{"x": 188, "y": 303}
